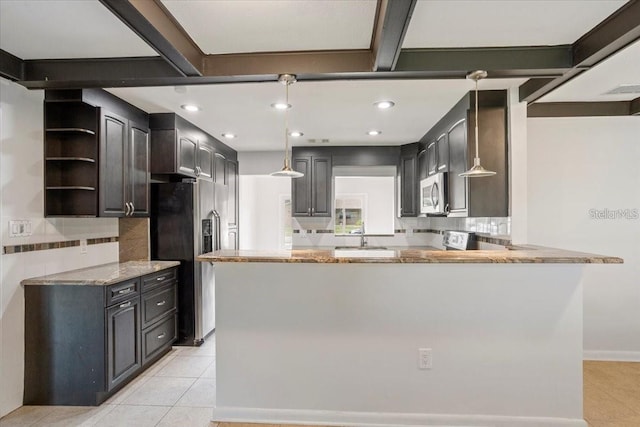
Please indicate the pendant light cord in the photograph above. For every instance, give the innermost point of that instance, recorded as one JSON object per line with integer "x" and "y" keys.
{"x": 286, "y": 126}
{"x": 477, "y": 152}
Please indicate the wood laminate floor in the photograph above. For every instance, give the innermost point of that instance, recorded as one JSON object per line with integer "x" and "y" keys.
{"x": 179, "y": 390}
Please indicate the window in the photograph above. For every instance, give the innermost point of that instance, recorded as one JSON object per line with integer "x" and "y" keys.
{"x": 349, "y": 213}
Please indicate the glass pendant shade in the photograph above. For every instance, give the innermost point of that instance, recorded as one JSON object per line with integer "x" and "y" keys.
{"x": 477, "y": 171}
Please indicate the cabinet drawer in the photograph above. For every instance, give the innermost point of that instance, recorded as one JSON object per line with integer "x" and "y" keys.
{"x": 158, "y": 303}
{"x": 122, "y": 291}
{"x": 159, "y": 337}
{"x": 151, "y": 281}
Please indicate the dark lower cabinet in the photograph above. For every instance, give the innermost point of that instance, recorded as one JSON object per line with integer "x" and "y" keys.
{"x": 123, "y": 341}
{"x": 84, "y": 342}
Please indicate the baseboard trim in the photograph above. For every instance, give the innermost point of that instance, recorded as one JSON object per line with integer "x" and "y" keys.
{"x": 382, "y": 419}
{"x": 612, "y": 356}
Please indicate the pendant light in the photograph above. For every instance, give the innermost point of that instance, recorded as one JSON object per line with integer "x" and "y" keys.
{"x": 477, "y": 170}
{"x": 286, "y": 171}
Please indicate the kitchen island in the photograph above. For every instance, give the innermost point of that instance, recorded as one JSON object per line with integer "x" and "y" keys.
{"x": 334, "y": 337}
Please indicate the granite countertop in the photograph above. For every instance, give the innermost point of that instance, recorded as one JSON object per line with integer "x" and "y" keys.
{"x": 511, "y": 255}
{"x": 101, "y": 275}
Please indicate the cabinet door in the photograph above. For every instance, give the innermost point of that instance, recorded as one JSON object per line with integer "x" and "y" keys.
{"x": 138, "y": 169}
{"x": 205, "y": 161}
{"x": 409, "y": 185}
{"x": 232, "y": 203}
{"x": 113, "y": 158}
{"x": 422, "y": 164}
{"x": 322, "y": 199}
{"x": 442, "y": 153}
{"x": 301, "y": 187}
{"x": 457, "y": 136}
{"x": 187, "y": 154}
{"x": 123, "y": 341}
{"x": 220, "y": 167}
{"x": 432, "y": 158}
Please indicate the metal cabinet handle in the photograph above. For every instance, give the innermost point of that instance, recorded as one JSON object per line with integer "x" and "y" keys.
{"x": 161, "y": 303}
{"x": 198, "y": 170}
{"x": 125, "y": 291}
{"x": 162, "y": 335}
{"x": 133, "y": 208}
{"x": 161, "y": 278}
{"x": 126, "y": 209}
{"x": 309, "y": 211}
{"x": 125, "y": 305}
{"x": 313, "y": 211}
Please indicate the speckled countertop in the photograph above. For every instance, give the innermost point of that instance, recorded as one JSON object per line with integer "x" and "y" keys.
{"x": 516, "y": 255}
{"x": 101, "y": 275}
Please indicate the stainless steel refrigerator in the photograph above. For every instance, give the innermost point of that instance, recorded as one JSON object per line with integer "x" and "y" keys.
{"x": 188, "y": 219}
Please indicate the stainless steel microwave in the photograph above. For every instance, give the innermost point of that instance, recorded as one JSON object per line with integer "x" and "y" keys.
{"x": 433, "y": 195}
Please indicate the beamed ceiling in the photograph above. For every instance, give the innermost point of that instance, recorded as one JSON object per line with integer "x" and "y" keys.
{"x": 346, "y": 55}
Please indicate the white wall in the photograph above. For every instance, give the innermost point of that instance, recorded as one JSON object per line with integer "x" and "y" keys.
{"x": 579, "y": 164}
{"x": 261, "y": 213}
{"x": 21, "y": 186}
{"x": 260, "y": 162}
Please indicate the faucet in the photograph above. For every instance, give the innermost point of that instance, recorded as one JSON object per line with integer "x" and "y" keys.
{"x": 363, "y": 238}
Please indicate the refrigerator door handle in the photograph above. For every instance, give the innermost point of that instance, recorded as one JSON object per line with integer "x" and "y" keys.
{"x": 216, "y": 239}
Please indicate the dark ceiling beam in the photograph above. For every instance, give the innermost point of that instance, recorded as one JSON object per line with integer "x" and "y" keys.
{"x": 70, "y": 72}
{"x": 11, "y": 67}
{"x": 634, "y": 107}
{"x": 391, "y": 25}
{"x": 527, "y": 61}
{"x": 156, "y": 26}
{"x": 579, "y": 109}
{"x": 611, "y": 35}
{"x": 333, "y": 61}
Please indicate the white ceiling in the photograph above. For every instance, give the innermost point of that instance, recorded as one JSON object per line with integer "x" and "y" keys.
{"x": 489, "y": 23}
{"x": 236, "y": 26}
{"x": 341, "y": 111}
{"x": 591, "y": 86}
{"x": 65, "y": 29}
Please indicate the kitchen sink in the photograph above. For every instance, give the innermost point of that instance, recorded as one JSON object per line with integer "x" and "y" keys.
{"x": 360, "y": 248}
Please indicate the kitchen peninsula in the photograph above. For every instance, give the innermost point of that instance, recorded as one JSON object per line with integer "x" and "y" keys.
{"x": 400, "y": 337}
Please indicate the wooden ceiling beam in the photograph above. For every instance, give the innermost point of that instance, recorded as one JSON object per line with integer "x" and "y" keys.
{"x": 634, "y": 107}
{"x": 607, "y": 38}
{"x": 151, "y": 21}
{"x": 579, "y": 109}
{"x": 392, "y": 21}
{"x": 11, "y": 67}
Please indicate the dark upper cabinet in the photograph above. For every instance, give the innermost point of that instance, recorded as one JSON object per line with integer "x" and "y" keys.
{"x": 124, "y": 166}
{"x": 232, "y": 202}
{"x": 312, "y": 195}
{"x": 204, "y": 168}
{"x": 451, "y": 147}
{"x": 220, "y": 169}
{"x": 432, "y": 158}
{"x": 96, "y": 155}
{"x": 138, "y": 169}
{"x": 422, "y": 164}
{"x": 187, "y": 152}
{"x": 457, "y": 136}
{"x": 409, "y": 180}
{"x": 442, "y": 153}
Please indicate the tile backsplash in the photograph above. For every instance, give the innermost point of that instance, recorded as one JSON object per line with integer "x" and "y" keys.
{"x": 421, "y": 231}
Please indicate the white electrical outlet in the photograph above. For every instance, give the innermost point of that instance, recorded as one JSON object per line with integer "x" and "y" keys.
{"x": 409, "y": 231}
{"x": 83, "y": 246}
{"x": 425, "y": 358}
{"x": 20, "y": 228}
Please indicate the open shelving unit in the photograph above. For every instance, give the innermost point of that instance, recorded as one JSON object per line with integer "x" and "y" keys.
{"x": 71, "y": 159}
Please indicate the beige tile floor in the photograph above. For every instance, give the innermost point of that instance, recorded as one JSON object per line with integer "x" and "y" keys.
{"x": 179, "y": 390}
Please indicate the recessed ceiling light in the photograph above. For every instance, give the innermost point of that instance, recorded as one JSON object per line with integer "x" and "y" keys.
{"x": 229, "y": 135}
{"x": 295, "y": 134}
{"x": 383, "y": 105}
{"x": 374, "y": 132}
{"x": 281, "y": 106}
{"x": 190, "y": 107}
